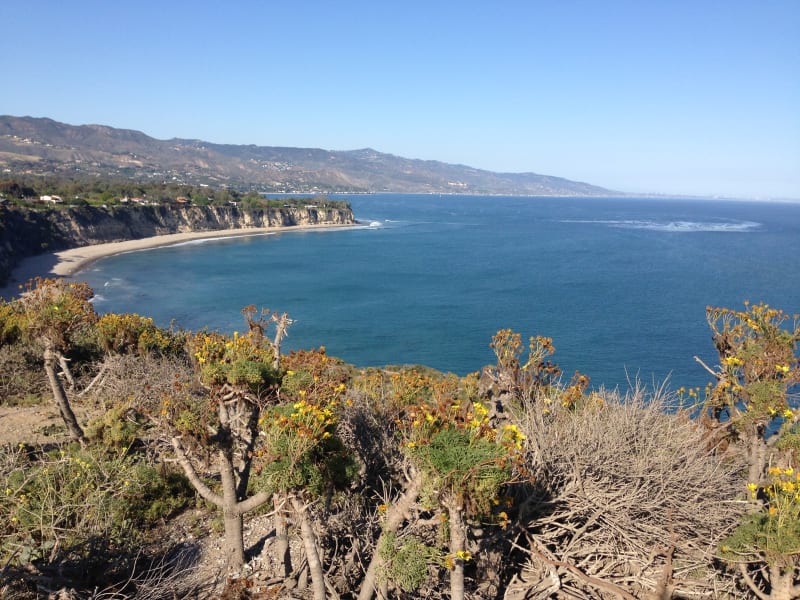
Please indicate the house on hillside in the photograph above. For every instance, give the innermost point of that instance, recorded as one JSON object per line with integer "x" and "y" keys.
{"x": 51, "y": 199}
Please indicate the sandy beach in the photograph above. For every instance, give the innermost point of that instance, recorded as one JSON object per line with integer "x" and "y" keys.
{"x": 66, "y": 263}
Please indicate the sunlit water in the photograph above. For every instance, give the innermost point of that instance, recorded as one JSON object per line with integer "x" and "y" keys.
{"x": 621, "y": 285}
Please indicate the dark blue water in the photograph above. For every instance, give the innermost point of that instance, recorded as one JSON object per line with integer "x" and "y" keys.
{"x": 621, "y": 285}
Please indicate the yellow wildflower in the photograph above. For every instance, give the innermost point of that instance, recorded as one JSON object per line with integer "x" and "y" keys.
{"x": 464, "y": 555}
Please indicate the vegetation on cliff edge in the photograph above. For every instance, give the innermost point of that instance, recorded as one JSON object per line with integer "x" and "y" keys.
{"x": 327, "y": 480}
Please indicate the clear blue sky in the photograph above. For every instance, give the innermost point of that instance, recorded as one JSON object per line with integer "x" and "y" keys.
{"x": 644, "y": 96}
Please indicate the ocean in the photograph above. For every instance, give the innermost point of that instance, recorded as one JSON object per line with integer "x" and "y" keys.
{"x": 620, "y": 284}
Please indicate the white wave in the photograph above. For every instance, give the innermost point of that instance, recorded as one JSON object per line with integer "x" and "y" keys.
{"x": 677, "y": 226}
{"x": 97, "y": 298}
{"x": 375, "y": 224}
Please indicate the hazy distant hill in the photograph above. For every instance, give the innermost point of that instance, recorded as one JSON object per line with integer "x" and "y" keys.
{"x": 46, "y": 147}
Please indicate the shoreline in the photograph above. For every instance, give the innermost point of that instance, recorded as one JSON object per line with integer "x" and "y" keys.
{"x": 68, "y": 263}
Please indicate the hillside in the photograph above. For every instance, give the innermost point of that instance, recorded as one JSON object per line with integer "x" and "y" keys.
{"x": 42, "y": 146}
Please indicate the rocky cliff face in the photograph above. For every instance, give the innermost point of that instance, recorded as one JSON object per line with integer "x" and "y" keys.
{"x": 25, "y": 232}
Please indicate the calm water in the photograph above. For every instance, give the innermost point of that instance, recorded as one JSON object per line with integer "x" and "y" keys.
{"x": 620, "y": 284}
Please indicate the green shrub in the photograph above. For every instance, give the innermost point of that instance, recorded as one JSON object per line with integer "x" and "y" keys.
{"x": 118, "y": 427}
{"x": 405, "y": 561}
{"x": 70, "y": 503}
{"x": 22, "y": 376}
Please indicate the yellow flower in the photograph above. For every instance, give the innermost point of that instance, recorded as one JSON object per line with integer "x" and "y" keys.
{"x": 773, "y": 511}
{"x": 382, "y": 508}
{"x": 789, "y": 471}
{"x": 788, "y": 414}
{"x": 464, "y": 555}
{"x": 782, "y": 368}
{"x": 752, "y": 487}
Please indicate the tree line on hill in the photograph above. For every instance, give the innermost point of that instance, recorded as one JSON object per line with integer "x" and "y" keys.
{"x": 22, "y": 189}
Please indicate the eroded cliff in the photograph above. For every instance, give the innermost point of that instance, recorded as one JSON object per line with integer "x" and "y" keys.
{"x": 26, "y": 232}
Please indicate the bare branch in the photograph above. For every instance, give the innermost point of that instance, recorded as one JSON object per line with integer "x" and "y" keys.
{"x": 193, "y": 477}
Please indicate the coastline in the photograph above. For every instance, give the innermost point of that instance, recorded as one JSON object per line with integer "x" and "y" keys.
{"x": 67, "y": 263}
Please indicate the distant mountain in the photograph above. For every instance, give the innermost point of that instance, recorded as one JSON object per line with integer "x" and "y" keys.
{"x": 45, "y": 147}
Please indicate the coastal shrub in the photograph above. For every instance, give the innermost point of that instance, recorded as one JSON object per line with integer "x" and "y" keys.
{"x": 10, "y": 323}
{"x": 751, "y": 410}
{"x": 240, "y": 375}
{"x": 241, "y": 361}
{"x": 55, "y": 311}
{"x": 55, "y": 314}
{"x": 759, "y": 368}
{"x": 518, "y": 378}
{"x": 22, "y": 379}
{"x": 71, "y": 505}
{"x": 142, "y": 382}
{"x": 301, "y": 452}
{"x": 766, "y": 542}
{"x": 124, "y": 333}
{"x": 405, "y": 561}
{"x": 627, "y": 495}
{"x": 465, "y": 460}
{"x": 118, "y": 427}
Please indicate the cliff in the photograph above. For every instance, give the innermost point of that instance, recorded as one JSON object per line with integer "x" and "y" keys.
{"x": 26, "y": 232}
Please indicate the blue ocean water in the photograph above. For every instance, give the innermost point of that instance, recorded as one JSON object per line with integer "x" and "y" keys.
{"x": 621, "y": 285}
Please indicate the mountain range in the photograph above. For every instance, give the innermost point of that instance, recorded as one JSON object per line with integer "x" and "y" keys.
{"x": 42, "y": 146}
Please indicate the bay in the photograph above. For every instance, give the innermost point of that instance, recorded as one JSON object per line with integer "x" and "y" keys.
{"x": 620, "y": 284}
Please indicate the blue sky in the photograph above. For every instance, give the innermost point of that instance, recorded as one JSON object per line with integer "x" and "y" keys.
{"x": 695, "y": 97}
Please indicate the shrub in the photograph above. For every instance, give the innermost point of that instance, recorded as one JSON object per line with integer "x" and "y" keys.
{"x": 22, "y": 377}
{"x": 626, "y": 487}
{"x": 124, "y": 333}
{"x": 72, "y": 504}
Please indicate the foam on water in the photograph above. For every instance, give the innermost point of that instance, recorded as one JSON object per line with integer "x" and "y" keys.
{"x": 677, "y": 226}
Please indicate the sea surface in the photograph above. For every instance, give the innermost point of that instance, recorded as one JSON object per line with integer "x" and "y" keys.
{"x": 621, "y": 285}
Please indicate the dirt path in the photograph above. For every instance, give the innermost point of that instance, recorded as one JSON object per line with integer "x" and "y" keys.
{"x": 35, "y": 424}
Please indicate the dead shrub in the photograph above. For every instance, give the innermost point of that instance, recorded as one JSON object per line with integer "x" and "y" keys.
{"x": 627, "y": 499}
{"x": 141, "y": 381}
